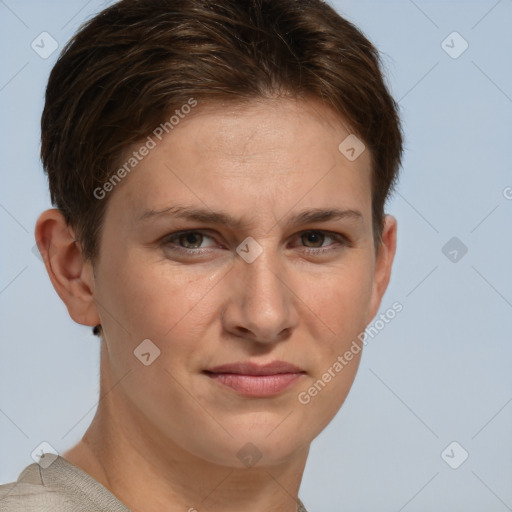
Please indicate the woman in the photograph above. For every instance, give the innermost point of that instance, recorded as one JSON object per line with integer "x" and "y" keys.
{"x": 219, "y": 171}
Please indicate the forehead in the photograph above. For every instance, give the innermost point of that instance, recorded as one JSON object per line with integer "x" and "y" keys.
{"x": 285, "y": 132}
{"x": 274, "y": 151}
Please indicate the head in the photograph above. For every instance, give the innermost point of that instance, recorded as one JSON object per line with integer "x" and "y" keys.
{"x": 220, "y": 172}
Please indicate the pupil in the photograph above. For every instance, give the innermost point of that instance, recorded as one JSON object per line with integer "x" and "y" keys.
{"x": 314, "y": 238}
{"x": 193, "y": 239}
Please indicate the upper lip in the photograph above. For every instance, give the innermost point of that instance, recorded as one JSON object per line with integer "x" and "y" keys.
{"x": 250, "y": 368}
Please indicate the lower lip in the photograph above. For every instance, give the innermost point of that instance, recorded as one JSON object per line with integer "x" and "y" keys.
{"x": 257, "y": 385}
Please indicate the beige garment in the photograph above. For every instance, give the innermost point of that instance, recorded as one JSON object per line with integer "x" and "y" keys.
{"x": 61, "y": 487}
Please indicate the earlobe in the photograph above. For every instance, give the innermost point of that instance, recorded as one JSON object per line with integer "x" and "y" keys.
{"x": 70, "y": 274}
{"x": 383, "y": 264}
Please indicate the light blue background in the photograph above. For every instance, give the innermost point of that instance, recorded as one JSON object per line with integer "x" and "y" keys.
{"x": 439, "y": 372}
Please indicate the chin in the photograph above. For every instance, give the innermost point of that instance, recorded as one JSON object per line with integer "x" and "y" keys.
{"x": 251, "y": 447}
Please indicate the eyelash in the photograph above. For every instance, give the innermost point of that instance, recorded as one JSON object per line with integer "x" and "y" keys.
{"x": 338, "y": 237}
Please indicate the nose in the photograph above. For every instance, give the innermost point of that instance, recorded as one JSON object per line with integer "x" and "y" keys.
{"x": 262, "y": 306}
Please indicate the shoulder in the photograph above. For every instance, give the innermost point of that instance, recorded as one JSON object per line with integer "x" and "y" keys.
{"x": 29, "y": 494}
{"x": 57, "y": 486}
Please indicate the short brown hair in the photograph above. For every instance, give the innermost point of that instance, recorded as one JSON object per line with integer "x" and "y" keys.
{"x": 137, "y": 61}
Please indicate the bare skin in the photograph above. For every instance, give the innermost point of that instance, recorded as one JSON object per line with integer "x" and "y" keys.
{"x": 167, "y": 436}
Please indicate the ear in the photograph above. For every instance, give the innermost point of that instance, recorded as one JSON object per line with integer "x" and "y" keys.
{"x": 71, "y": 276}
{"x": 384, "y": 261}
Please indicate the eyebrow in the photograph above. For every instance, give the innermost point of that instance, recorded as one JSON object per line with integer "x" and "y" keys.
{"x": 208, "y": 216}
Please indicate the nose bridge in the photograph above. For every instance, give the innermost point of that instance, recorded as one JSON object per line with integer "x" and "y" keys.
{"x": 262, "y": 303}
{"x": 262, "y": 274}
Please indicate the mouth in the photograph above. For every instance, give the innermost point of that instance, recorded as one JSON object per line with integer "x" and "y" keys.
{"x": 254, "y": 380}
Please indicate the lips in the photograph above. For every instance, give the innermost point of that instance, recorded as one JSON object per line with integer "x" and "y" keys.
{"x": 251, "y": 379}
{"x": 250, "y": 368}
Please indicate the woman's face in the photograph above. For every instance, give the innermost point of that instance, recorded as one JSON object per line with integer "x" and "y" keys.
{"x": 274, "y": 284}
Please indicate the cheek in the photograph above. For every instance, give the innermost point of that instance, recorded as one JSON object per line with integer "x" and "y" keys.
{"x": 340, "y": 306}
{"x": 340, "y": 297}
{"x": 141, "y": 300}
{"x": 156, "y": 298}
{"x": 340, "y": 301}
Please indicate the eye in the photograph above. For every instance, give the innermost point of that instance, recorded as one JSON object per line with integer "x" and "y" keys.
{"x": 313, "y": 241}
{"x": 187, "y": 241}
{"x": 191, "y": 240}
{"x": 314, "y": 238}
